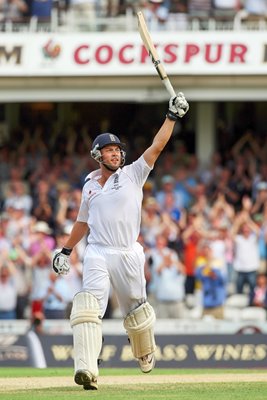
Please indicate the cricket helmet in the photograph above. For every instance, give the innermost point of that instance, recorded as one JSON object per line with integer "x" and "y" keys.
{"x": 105, "y": 139}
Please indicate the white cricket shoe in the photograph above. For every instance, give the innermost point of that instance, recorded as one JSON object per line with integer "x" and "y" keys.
{"x": 147, "y": 363}
{"x": 85, "y": 378}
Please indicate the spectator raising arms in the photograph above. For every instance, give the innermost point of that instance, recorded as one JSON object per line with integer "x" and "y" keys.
{"x": 167, "y": 280}
{"x": 213, "y": 283}
{"x": 247, "y": 255}
{"x": 57, "y": 297}
{"x": 8, "y": 290}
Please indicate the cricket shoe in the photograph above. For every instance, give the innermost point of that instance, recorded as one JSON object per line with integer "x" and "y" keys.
{"x": 85, "y": 378}
{"x": 147, "y": 363}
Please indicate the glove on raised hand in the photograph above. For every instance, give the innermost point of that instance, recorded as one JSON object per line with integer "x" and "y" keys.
{"x": 61, "y": 261}
{"x": 178, "y": 107}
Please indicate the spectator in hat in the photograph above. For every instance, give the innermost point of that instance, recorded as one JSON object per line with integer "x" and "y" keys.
{"x": 168, "y": 187}
{"x": 17, "y": 196}
{"x": 18, "y": 223}
{"x": 156, "y": 13}
{"x": 42, "y": 240}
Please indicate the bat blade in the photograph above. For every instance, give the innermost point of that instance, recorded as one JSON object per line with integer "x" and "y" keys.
{"x": 152, "y": 51}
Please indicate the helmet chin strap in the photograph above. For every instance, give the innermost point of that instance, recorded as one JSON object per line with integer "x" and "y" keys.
{"x": 109, "y": 168}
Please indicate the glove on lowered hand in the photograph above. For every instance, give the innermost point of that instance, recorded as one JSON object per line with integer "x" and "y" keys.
{"x": 61, "y": 261}
{"x": 178, "y": 107}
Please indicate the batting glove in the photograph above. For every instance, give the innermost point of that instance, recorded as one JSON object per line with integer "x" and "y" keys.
{"x": 178, "y": 107}
{"x": 61, "y": 261}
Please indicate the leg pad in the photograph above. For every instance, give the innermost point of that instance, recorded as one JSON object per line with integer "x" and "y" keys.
{"x": 139, "y": 325}
{"x": 86, "y": 323}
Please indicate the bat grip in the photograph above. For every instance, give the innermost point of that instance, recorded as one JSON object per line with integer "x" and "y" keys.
{"x": 169, "y": 87}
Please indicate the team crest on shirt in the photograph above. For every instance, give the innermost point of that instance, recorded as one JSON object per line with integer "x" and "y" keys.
{"x": 116, "y": 184}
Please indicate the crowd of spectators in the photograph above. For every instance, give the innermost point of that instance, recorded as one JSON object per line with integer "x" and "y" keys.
{"x": 204, "y": 227}
{"x": 157, "y": 12}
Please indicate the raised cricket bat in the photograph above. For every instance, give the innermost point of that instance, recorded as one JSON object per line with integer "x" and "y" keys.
{"x": 142, "y": 27}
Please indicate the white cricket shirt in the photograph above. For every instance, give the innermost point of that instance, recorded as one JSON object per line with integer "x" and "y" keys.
{"x": 247, "y": 254}
{"x": 113, "y": 212}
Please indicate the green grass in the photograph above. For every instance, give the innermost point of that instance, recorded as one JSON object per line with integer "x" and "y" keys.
{"x": 52, "y": 372}
{"x": 210, "y": 391}
{"x": 180, "y": 391}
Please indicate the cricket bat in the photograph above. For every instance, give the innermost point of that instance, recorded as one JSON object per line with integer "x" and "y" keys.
{"x": 148, "y": 43}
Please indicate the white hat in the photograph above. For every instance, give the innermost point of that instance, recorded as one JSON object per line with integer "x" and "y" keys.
{"x": 16, "y": 204}
{"x": 262, "y": 186}
{"x": 42, "y": 226}
{"x": 67, "y": 229}
{"x": 167, "y": 179}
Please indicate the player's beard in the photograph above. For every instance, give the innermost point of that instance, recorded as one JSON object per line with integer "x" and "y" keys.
{"x": 110, "y": 167}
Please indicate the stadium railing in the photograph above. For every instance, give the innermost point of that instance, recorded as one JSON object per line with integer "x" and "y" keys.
{"x": 62, "y": 20}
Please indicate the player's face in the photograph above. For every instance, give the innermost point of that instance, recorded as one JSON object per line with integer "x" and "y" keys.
{"x": 111, "y": 155}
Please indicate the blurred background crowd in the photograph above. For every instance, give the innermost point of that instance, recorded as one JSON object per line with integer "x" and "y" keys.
{"x": 204, "y": 226}
{"x": 160, "y": 14}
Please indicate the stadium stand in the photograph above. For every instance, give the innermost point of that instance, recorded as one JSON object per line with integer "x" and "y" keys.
{"x": 51, "y": 180}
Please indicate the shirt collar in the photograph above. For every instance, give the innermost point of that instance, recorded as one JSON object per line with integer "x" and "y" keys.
{"x": 95, "y": 175}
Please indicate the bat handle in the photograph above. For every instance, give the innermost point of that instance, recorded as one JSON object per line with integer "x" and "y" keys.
{"x": 169, "y": 87}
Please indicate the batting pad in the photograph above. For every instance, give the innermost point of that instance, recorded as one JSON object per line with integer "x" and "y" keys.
{"x": 86, "y": 323}
{"x": 139, "y": 325}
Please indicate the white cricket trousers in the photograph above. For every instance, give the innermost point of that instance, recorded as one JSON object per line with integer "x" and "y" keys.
{"x": 123, "y": 269}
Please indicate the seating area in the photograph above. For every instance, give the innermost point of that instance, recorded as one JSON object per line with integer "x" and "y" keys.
{"x": 62, "y": 20}
{"x": 236, "y": 309}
